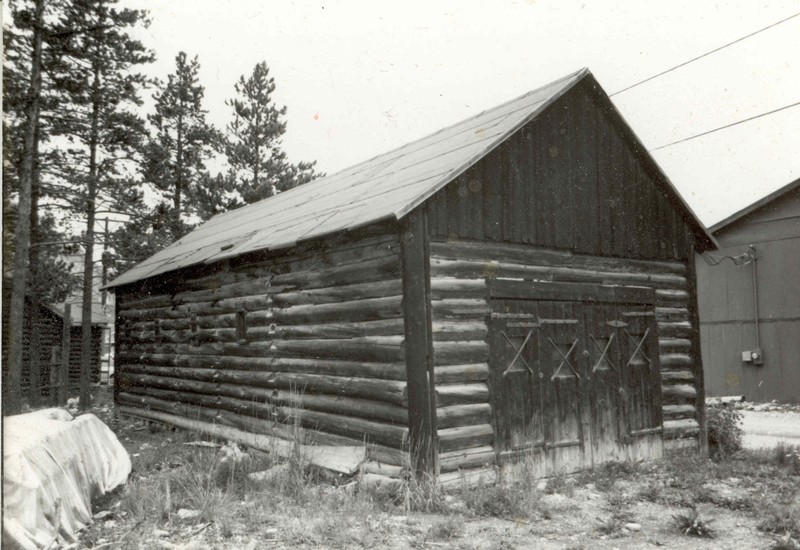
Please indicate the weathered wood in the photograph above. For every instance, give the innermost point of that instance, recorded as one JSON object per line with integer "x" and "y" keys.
{"x": 672, "y": 313}
{"x": 697, "y": 358}
{"x": 459, "y": 353}
{"x": 232, "y": 290}
{"x": 383, "y": 469}
{"x": 461, "y": 394}
{"x": 378, "y": 349}
{"x": 459, "y": 330}
{"x": 675, "y": 329}
{"x": 379, "y": 390}
{"x": 464, "y": 437}
{"x": 259, "y": 319}
{"x": 380, "y": 453}
{"x": 256, "y": 441}
{"x": 522, "y": 254}
{"x": 467, "y": 478}
{"x": 679, "y": 393}
{"x": 304, "y": 366}
{"x": 673, "y": 344}
{"x": 392, "y": 435}
{"x": 674, "y": 360}
{"x": 677, "y": 376}
{"x": 357, "y": 310}
{"x": 264, "y": 401}
{"x": 419, "y": 356}
{"x": 215, "y": 308}
{"x": 570, "y": 292}
{"x": 367, "y": 271}
{"x": 372, "y": 242}
{"x": 463, "y": 415}
{"x": 464, "y": 459}
{"x": 443, "y": 288}
{"x": 224, "y": 418}
{"x": 671, "y": 297}
{"x": 459, "y": 308}
{"x": 686, "y": 427}
{"x": 677, "y": 412}
{"x": 382, "y": 327}
{"x": 456, "y": 374}
{"x": 340, "y": 459}
{"x": 471, "y": 269}
{"x": 338, "y": 294}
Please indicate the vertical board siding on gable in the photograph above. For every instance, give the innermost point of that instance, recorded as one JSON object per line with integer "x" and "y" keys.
{"x": 566, "y": 180}
{"x": 324, "y": 345}
{"x": 464, "y": 267}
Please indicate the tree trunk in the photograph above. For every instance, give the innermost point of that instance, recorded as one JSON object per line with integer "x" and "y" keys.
{"x": 22, "y": 233}
{"x": 176, "y": 198}
{"x": 35, "y": 354}
{"x": 88, "y": 259}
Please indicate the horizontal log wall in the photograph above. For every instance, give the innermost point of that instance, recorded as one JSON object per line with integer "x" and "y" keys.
{"x": 458, "y": 274}
{"x": 323, "y": 348}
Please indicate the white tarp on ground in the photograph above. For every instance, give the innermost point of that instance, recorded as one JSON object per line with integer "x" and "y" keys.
{"x": 54, "y": 466}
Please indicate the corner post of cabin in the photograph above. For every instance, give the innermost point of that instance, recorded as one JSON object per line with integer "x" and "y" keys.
{"x": 697, "y": 359}
{"x": 414, "y": 247}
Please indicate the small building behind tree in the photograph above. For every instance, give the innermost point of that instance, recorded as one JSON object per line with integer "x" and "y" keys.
{"x": 749, "y": 295}
{"x": 519, "y": 284}
{"x": 42, "y": 351}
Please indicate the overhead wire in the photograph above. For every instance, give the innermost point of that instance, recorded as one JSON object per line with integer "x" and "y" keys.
{"x": 726, "y": 126}
{"x": 648, "y": 79}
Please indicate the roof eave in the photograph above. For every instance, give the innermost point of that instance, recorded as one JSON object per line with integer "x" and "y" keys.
{"x": 747, "y": 210}
{"x": 576, "y": 77}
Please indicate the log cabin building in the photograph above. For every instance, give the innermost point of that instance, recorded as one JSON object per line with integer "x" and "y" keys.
{"x": 519, "y": 284}
{"x": 43, "y": 375}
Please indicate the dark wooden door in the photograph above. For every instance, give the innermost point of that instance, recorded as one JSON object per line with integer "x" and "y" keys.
{"x": 605, "y": 376}
{"x": 516, "y": 378}
{"x": 562, "y": 342}
{"x": 576, "y": 381}
{"x": 640, "y": 385}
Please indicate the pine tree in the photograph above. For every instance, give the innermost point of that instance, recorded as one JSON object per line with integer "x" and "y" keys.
{"x": 254, "y": 136}
{"x": 98, "y": 83}
{"x": 183, "y": 141}
{"x": 22, "y": 232}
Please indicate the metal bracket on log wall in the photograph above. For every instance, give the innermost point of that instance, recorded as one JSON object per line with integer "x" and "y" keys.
{"x": 419, "y": 341}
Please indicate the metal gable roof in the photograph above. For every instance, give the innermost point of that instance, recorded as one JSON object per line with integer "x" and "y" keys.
{"x": 388, "y": 186}
{"x": 747, "y": 210}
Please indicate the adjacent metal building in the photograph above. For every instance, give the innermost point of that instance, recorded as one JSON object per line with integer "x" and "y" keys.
{"x": 519, "y": 284}
{"x": 749, "y": 295}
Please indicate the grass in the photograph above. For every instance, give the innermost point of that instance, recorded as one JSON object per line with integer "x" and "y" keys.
{"x": 300, "y": 505}
{"x": 691, "y": 524}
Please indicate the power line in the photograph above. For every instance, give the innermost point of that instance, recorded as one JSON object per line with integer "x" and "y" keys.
{"x": 727, "y": 126}
{"x": 704, "y": 55}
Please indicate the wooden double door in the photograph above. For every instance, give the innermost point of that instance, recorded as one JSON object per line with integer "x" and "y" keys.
{"x": 574, "y": 374}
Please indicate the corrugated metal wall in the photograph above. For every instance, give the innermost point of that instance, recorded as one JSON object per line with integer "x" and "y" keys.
{"x": 727, "y": 308}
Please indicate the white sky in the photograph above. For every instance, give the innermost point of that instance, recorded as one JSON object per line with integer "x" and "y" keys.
{"x": 360, "y": 78}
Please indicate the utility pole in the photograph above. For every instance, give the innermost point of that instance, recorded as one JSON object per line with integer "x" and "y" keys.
{"x": 104, "y": 262}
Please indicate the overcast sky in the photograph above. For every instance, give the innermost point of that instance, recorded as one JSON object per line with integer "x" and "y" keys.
{"x": 361, "y": 78}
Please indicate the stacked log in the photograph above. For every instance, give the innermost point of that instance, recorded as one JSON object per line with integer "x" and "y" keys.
{"x": 310, "y": 340}
{"x": 458, "y": 274}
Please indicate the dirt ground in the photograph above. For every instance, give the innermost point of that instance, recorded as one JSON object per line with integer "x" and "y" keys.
{"x": 750, "y": 501}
